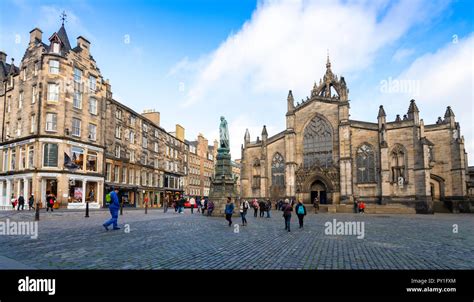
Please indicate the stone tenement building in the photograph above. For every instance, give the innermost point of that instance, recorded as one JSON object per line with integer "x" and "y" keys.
{"x": 62, "y": 132}
{"x": 322, "y": 153}
{"x": 200, "y": 167}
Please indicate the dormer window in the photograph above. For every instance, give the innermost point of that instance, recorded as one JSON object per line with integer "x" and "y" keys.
{"x": 55, "y": 47}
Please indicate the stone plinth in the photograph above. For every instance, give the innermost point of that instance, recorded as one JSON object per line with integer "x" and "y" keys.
{"x": 223, "y": 184}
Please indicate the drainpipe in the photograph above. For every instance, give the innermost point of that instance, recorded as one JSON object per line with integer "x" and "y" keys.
{"x": 4, "y": 109}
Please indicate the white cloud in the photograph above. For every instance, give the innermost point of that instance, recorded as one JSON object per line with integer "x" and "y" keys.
{"x": 402, "y": 54}
{"x": 445, "y": 78}
{"x": 285, "y": 42}
{"x": 284, "y": 46}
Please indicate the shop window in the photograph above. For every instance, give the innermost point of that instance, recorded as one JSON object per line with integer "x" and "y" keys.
{"x": 31, "y": 157}
{"x": 50, "y": 155}
{"x": 75, "y": 190}
{"x": 92, "y": 161}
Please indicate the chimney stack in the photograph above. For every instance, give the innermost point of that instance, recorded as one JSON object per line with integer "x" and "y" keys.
{"x": 35, "y": 35}
{"x": 84, "y": 44}
{"x": 3, "y": 57}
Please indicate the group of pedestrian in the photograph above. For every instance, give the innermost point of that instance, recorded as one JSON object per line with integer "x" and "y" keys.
{"x": 19, "y": 203}
{"x": 359, "y": 206}
{"x": 300, "y": 210}
{"x": 264, "y": 206}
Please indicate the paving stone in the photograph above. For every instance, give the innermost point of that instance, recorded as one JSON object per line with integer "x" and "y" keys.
{"x": 67, "y": 240}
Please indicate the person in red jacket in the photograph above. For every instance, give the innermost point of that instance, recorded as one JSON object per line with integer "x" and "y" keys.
{"x": 361, "y": 206}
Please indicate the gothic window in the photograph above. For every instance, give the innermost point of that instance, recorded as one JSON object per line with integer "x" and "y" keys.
{"x": 365, "y": 159}
{"x": 256, "y": 174}
{"x": 317, "y": 143}
{"x": 398, "y": 164}
{"x": 278, "y": 170}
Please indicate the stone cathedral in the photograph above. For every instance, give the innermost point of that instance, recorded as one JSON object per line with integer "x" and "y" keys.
{"x": 322, "y": 153}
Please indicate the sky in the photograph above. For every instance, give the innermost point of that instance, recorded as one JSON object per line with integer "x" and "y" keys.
{"x": 194, "y": 61}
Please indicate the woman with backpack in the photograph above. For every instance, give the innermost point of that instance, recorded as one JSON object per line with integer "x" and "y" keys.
{"x": 244, "y": 206}
{"x": 300, "y": 210}
{"x": 287, "y": 209}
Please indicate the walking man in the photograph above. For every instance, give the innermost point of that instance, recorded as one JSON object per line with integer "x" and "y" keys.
{"x": 165, "y": 204}
{"x": 262, "y": 207}
{"x": 229, "y": 210}
{"x": 21, "y": 202}
{"x": 192, "y": 202}
{"x": 199, "y": 204}
{"x": 269, "y": 207}
{"x": 114, "y": 209}
{"x": 31, "y": 202}
{"x": 300, "y": 212}
{"x": 356, "y": 205}
{"x": 244, "y": 206}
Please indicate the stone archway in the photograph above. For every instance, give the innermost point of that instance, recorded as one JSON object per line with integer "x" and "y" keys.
{"x": 320, "y": 185}
{"x": 319, "y": 190}
{"x": 437, "y": 187}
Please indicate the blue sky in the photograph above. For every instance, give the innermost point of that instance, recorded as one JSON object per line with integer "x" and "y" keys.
{"x": 197, "y": 60}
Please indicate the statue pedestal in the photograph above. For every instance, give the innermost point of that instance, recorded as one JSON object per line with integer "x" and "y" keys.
{"x": 223, "y": 184}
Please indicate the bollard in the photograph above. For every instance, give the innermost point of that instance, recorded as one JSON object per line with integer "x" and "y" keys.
{"x": 146, "y": 207}
{"x": 87, "y": 209}
{"x": 121, "y": 208}
{"x": 37, "y": 212}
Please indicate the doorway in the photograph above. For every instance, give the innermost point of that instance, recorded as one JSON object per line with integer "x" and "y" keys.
{"x": 319, "y": 190}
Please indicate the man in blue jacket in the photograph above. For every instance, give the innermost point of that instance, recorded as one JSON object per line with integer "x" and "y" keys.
{"x": 229, "y": 210}
{"x": 114, "y": 209}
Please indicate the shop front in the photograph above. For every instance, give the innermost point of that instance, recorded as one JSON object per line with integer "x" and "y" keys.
{"x": 15, "y": 186}
{"x": 127, "y": 194}
{"x": 82, "y": 190}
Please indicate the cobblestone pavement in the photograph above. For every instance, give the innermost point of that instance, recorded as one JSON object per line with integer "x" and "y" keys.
{"x": 67, "y": 240}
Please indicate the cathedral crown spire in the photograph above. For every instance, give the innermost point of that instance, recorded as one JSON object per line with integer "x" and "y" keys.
{"x": 328, "y": 62}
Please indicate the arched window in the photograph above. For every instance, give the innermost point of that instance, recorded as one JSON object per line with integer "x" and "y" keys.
{"x": 365, "y": 159}
{"x": 317, "y": 143}
{"x": 398, "y": 164}
{"x": 278, "y": 170}
{"x": 256, "y": 174}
